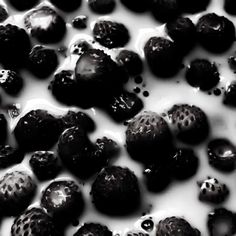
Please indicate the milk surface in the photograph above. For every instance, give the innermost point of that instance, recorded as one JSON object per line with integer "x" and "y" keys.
{"x": 180, "y": 198}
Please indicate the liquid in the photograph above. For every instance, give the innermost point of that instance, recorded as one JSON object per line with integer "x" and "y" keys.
{"x": 181, "y": 198}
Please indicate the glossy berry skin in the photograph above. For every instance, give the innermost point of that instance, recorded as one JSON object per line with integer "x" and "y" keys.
{"x": 221, "y": 217}
{"x": 17, "y": 189}
{"x": 68, "y": 6}
{"x": 22, "y": 5}
{"x": 131, "y": 61}
{"x": 212, "y": 191}
{"x": 215, "y": 33}
{"x": 11, "y": 82}
{"x": 183, "y": 32}
{"x": 124, "y": 106}
{"x": 42, "y": 61}
{"x": 80, "y": 22}
{"x": 202, "y": 74}
{"x": 34, "y": 222}
{"x": 230, "y": 95}
{"x": 10, "y": 156}
{"x": 63, "y": 200}
{"x": 176, "y": 226}
{"x": 111, "y": 34}
{"x": 37, "y": 130}
{"x": 53, "y": 32}
{"x": 157, "y": 177}
{"x": 162, "y": 56}
{"x": 148, "y": 137}
{"x": 184, "y": 163}
{"x": 93, "y": 229}
{"x": 189, "y": 122}
{"x": 102, "y": 6}
{"x": 222, "y": 154}
{"x": 119, "y": 195}
{"x": 45, "y": 165}
{"x": 14, "y": 46}
{"x": 63, "y": 87}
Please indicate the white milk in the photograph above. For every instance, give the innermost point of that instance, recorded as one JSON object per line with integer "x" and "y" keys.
{"x": 181, "y": 198}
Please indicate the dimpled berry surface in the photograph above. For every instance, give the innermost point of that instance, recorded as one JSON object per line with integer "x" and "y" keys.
{"x": 180, "y": 198}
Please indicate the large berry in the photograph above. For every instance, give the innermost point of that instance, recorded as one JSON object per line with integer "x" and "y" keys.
{"x": 124, "y": 106}
{"x": 34, "y": 222}
{"x": 37, "y": 130}
{"x": 9, "y": 156}
{"x": 230, "y": 95}
{"x": 139, "y": 6}
{"x": 176, "y": 226}
{"x": 45, "y": 24}
{"x": 110, "y": 34}
{"x": 14, "y": 46}
{"x": 215, "y": 33}
{"x": 93, "y": 229}
{"x": 157, "y": 177}
{"x": 102, "y": 6}
{"x": 97, "y": 74}
{"x": 67, "y": 6}
{"x": 222, "y": 154}
{"x": 221, "y": 222}
{"x": 189, "y": 122}
{"x": 45, "y": 164}
{"x": 202, "y": 74}
{"x": 184, "y": 163}
{"x": 131, "y": 61}
{"x": 80, "y": 119}
{"x": 162, "y": 56}
{"x": 148, "y": 137}
{"x": 63, "y": 200}
{"x": 183, "y": 32}
{"x": 115, "y": 191}
{"x": 22, "y": 5}
{"x": 230, "y": 7}
{"x": 63, "y": 87}
{"x": 165, "y": 10}
{"x": 211, "y": 190}
{"x": 81, "y": 156}
{"x": 11, "y": 82}
{"x": 193, "y": 6}
{"x": 42, "y": 61}
{"x": 16, "y": 191}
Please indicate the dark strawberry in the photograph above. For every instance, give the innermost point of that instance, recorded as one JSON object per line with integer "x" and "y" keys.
{"x": 45, "y": 24}
{"x": 11, "y": 82}
{"x": 148, "y": 137}
{"x": 162, "y": 56}
{"x": 189, "y": 122}
{"x": 124, "y": 106}
{"x": 157, "y": 177}
{"x": 37, "y": 130}
{"x": 175, "y": 226}
{"x": 42, "y": 61}
{"x": 212, "y": 191}
{"x": 221, "y": 222}
{"x": 93, "y": 229}
{"x": 184, "y": 163}
{"x": 115, "y": 191}
{"x": 222, "y": 154}
{"x": 16, "y": 191}
{"x": 45, "y": 165}
{"x": 34, "y": 222}
{"x": 215, "y": 33}
{"x": 111, "y": 34}
{"x": 80, "y": 22}
{"x": 63, "y": 200}
{"x": 14, "y": 46}
{"x": 9, "y": 156}
{"x": 80, "y": 119}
